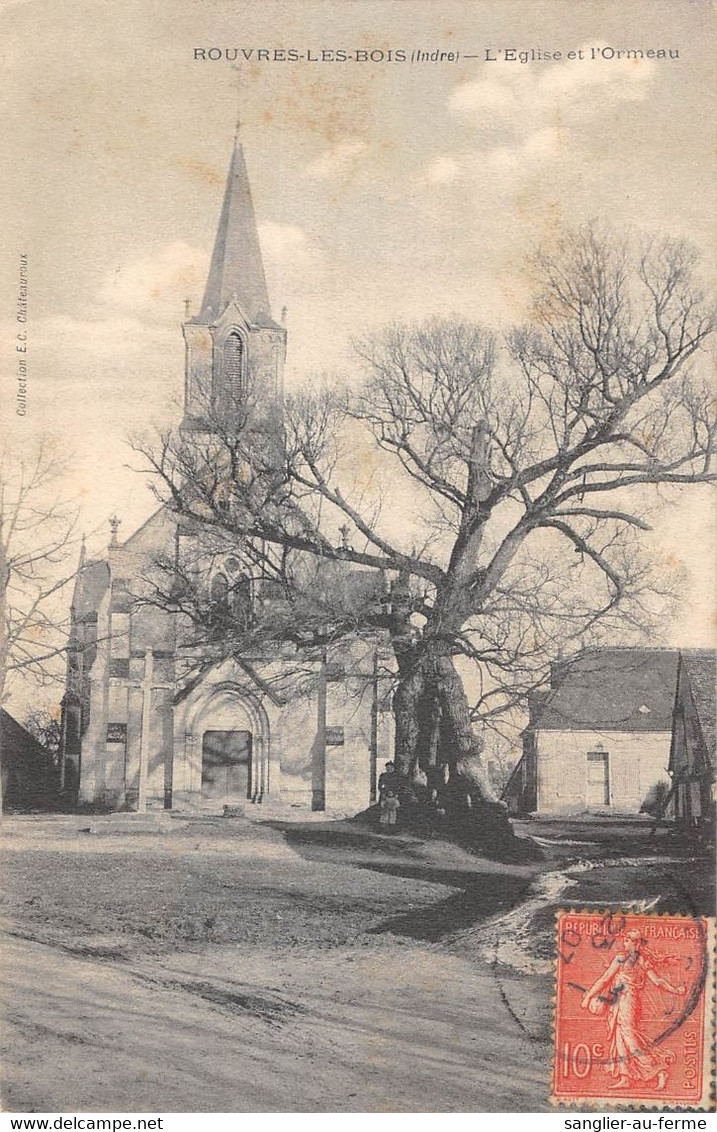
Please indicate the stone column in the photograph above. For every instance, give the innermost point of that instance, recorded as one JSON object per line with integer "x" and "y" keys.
{"x": 145, "y": 737}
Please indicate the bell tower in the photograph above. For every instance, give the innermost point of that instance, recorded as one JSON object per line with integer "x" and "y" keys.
{"x": 235, "y": 351}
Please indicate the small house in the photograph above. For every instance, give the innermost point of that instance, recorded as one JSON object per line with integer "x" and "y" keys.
{"x": 599, "y": 737}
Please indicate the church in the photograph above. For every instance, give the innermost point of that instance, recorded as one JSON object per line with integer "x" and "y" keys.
{"x": 151, "y": 722}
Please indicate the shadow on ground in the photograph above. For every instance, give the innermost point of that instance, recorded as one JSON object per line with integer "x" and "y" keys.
{"x": 486, "y": 888}
{"x": 486, "y": 895}
{"x": 322, "y": 841}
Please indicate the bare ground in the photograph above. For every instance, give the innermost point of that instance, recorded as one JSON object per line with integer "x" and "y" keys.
{"x": 243, "y": 966}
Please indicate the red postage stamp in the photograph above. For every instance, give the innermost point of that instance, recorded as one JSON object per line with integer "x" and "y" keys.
{"x": 633, "y": 1010}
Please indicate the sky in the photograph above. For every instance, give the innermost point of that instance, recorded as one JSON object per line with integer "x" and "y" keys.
{"x": 384, "y": 190}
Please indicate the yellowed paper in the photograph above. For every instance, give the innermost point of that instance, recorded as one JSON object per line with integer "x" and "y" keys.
{"x": 449, "y": 264}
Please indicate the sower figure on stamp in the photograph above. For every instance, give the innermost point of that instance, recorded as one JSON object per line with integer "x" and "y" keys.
{"x": 621, "y": 992}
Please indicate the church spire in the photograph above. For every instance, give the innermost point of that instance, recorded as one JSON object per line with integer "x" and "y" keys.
{"x": 236, "y": 270}
{"x": 235, "y": 352}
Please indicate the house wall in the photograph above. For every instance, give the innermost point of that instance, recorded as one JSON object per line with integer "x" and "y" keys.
{"x": 520, "y": 793}
{"x": 637, "y": 762}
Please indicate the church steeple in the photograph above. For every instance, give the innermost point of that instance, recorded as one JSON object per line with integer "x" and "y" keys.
{"x": 235, "y": 350}
{"x": 237, "y": 270}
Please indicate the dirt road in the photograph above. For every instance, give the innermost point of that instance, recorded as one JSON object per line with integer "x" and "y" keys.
{"x": 336, "y": 1032}
{"x": 240, "y": 967}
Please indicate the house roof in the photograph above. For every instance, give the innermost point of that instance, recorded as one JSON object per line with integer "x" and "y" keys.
{"x": 700, "y": 669}
{"x": 610, "y": 689}
{"x": 17, "y": 745}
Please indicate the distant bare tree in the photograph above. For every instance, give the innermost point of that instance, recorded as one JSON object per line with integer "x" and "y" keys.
{"x": 500, "y": 755}
{"x": 37, "y": 537}
{"x": 44, "y": 725}
{"x": 531, "y": 468}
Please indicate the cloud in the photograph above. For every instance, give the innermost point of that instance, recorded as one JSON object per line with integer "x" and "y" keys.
{"x": 522, "y": 97}
{"x": 135, "y": 313}
{"x": 443, "y": 170}
{"x": 338, "y": 159}
{"x": 537, "y": 148}
{"x": 68, "y": 347}
{"x": 127, "y": 349}
{"x": 106, "y": 339}
{"x": 156, "y": 286}
{"x": 620, "y": 80}
{"x": 527, "y": 116}
{"x": 294, "y": 266}
{"x": 137, "y": 309}
{"x": 490, "y": 96}
{"x": 284, "y": 243}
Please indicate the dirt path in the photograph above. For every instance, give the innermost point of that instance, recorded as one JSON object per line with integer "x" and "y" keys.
{"x": 349, "y": 1030}
{"x": 241, "y": 967}
{"x": 335, "y": 993}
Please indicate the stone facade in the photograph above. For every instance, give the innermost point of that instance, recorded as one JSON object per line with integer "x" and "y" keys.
{"x": 314, "y": 723}
{"x": 150, "y": 721}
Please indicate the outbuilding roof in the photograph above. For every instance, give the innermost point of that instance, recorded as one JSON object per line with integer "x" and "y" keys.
{"x": 29, "y": 771}
{"x": 18, "y": 745}
{"x": 610, "y": 689}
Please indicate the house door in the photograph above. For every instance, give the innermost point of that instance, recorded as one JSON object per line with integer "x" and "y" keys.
{"x": 598, "y": 788}
{"x": 226, "y": 764}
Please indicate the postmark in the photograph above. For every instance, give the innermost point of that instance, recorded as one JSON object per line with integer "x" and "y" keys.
{"x": 633, "y": 1009}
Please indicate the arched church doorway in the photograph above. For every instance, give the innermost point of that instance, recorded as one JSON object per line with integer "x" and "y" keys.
{"x": 227, "y": 747}
{"x": 226, "y": 765}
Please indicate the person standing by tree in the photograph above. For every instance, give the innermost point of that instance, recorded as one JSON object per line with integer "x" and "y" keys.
{"x": 388, "y": 796}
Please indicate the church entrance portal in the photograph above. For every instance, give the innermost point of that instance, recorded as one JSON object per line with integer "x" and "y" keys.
{"x": 226, "y": 765}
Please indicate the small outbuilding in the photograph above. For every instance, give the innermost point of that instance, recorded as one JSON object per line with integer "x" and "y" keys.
{"x": 599, "y": 738}
{"x": 692, "y": 753}
{"x": 29, "y": 775}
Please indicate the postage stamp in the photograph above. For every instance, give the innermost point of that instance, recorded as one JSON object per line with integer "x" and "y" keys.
{"x": 633, "y": 1010}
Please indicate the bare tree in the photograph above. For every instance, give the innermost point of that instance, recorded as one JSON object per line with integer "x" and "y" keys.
{"x": 45, "y": 726}
{"x": 37, "y": 537}
{"x": 531, "y": 469}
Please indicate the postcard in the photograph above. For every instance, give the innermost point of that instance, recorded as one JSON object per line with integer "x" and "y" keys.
{"x": 357, "y": 544}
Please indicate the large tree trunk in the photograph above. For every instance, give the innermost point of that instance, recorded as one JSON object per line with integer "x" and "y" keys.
{"x": 438, "y": 755}
{"x": 462, "y": 752}
{"x": 407, "y": 702}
